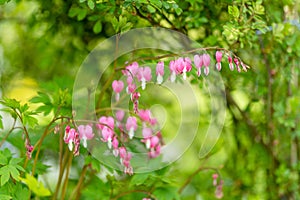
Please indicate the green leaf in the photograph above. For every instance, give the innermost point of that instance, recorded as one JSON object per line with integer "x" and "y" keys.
{"x": 91, "y": 4}
{"x": 13, "y": 172}
{"x": 233, "y": 11}
{"x": 22, "y": 193}
{"x": 151, "y": 9}
{"x": 42, "y": 97}
{"x": 37, "y": 187}
{"x": 139, "y": 179}
{"x": 5, "y": 174}
{"x": 15, "y": 161}
{"x": 178, "y": 11}
{"x": 115, "y": 24}
{"x": 157, "y": 3}
{"x": 31, "y": 121}
{"x": 166, "y": 193}
{"x": 81, "y": 14}
{"x": 73, "y": 12}
{"x": 3, "y": 196}
{"x": 97, "y": 27}
{"x": 166, "y": 5}
{"x": 3, "y": 159}
{"x": 12, "y": 103}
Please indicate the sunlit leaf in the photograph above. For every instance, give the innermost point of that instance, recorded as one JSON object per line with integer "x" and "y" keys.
{"x": 37, "y": 187}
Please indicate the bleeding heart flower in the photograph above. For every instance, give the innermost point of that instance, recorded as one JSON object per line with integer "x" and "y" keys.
{"x": 131, "y": 126}
{"x": 85, "y": 133}
{"x": 144, "y": 75}
{"x": 160, "y": 72}
{"x": 218, "y": 58}
{"x": 198, "y": 60}
{"x": 206, "y": 63}
{"x": 117, "y": 87}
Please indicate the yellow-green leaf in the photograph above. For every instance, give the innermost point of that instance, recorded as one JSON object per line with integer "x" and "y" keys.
{"x": 37, "y": 187}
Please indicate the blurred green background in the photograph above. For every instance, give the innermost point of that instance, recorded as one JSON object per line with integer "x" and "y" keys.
{"x": 43, "y": 43}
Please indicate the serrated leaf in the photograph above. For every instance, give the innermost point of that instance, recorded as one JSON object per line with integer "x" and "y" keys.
{"x": 22, "y": 193}
{"x": 13, "y": 172}
{"x": 24, "y": 108}
{"x": 3, "y": 159}
{"x": 12, "y": 103}
{"x": 97, "y": 27}
{"x": 6, "y": 152}
{"x": 45, "y": 109}
{"x": 37, "y": 187}
{"x": 5, "y": 174}
{"x": 30, "y": 121}
{"x": 20, "y": 168}
{"x": 233, "y": 11}
{"x": 91, "y": 4}
{"x": 15, "y": 161}
{"x": 41, "y": 98}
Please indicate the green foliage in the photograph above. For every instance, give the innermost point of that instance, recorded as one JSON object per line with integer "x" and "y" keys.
{"x": 16, "y": 110}
{"x": 35, "y": 186}
{"x": 258, "y": 152}
{"x": 9, "y": 167}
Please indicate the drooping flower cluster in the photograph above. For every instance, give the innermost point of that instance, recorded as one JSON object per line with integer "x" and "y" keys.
{"x": 29, "y": 148}
{"x": 218, "y": 185}
{"x": 73, "y": 137}
{"x": 122, "y": 127}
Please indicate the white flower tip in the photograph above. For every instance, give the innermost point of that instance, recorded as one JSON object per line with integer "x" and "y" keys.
{"x": 70, "y": 145}
{"x": 109, "y": 144}
{"x": 117, "y": 96}
{"x": 131, "y": 133}
{"x": 148, "y": 144}
{"x": 173, "y": 77}
{"x": 159, "y": 79}
{"x": 84, "y": 142}
{"x": 143, "y": 84}
{"x": 184, "y": 75}
{"x": 218, "y": 66}
{"x": 206, "y": 71}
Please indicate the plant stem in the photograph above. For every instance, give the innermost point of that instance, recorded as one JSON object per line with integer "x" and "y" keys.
{"x": 77, "y": 189}
{"x": 62, "y": 162}
{"x": 9, "y": 132}
{"x": 40, "y": 141}
{"x": 190, "y": 178}
{"x": 64, "y": 189}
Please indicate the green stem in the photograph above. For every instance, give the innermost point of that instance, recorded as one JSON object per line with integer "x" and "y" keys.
{"x": 40, "y": 141}
{"x": 77, "y": 189}
{"x": 190, "y": 178}
{"x": 62, "y": 163}
{"x": 9, "y": 132}
{"x": 64, "y": 189}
